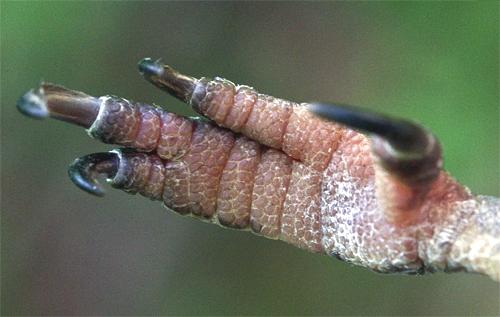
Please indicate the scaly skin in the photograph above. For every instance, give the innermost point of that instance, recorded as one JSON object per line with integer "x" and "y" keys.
{"x": 270, "y": 166}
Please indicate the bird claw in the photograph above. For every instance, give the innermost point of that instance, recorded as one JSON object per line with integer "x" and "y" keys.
{"x": 403, "y": 147}
{"x": 167, "y": 79}
{"x": 84, "y": 171}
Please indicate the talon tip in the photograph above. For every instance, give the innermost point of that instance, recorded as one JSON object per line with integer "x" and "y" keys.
{"x": 83, "y": 182}
{"x": 33, "y": 105}
{"x": 148, "y": 67}
{"x": 83, "y": 171}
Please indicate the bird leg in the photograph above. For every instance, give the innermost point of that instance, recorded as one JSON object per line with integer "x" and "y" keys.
{"x": 339, "y": 180}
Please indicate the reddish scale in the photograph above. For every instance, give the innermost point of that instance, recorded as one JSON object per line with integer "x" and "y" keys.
{"x": 244, "y": 100}
{"x": 149, "y": 130}
{"x": 234, "y": 199}
{"x": 269, "y": 192}
{"x": 177, "y": 187}
{"x": 268, "y": 120}
{"x": 207, "y": 170}
{"x": 207, "y": 156}
{"x": 192, "y": 181}
{"x": 142, "y": 173}
{"x": 128, "y": 124}
{"x": 156, "y": 179}
{"x": 133, "y": 173}
{"x": 204, "y": 173}
{"x": 271, "y": 121}
{"x": 301, "y": 218}
{"x": 118, "y": 122}
{"x": 175, "y": 136}
{"x": 141, "y": 166}
{"x": 219, "y": 98}
{"x": 355, "y": 147}
{"x": 310, "y": 139}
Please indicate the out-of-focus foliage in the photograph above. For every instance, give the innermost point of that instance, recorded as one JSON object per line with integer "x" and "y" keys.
{"x": 65, "y": 252}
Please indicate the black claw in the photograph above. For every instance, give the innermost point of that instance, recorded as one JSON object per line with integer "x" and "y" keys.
{"x": 404, "y": 136}
{"x": 49, "y": 100}
{"x": 84, "y": 171}
{"x": 33, "y": 105}
{"x": 403, "y": 147}
{"x": 148, "y": 67}
{"x": 168, "y": 79}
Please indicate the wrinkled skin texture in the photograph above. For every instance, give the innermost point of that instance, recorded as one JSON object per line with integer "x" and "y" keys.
{"x": 270, "y": 166}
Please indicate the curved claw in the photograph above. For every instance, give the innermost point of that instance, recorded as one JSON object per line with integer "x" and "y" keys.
{"x": 84, "y": 171}
{"x": 168, "y": 79}
{"x": 403, "y": 147}
{"x": 403, "y": 135}
{"x": 33, "y": 104}
{"x": 55, "y": 101}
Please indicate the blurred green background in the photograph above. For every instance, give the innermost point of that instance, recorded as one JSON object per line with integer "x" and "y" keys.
{"x": 65, "y": 252}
